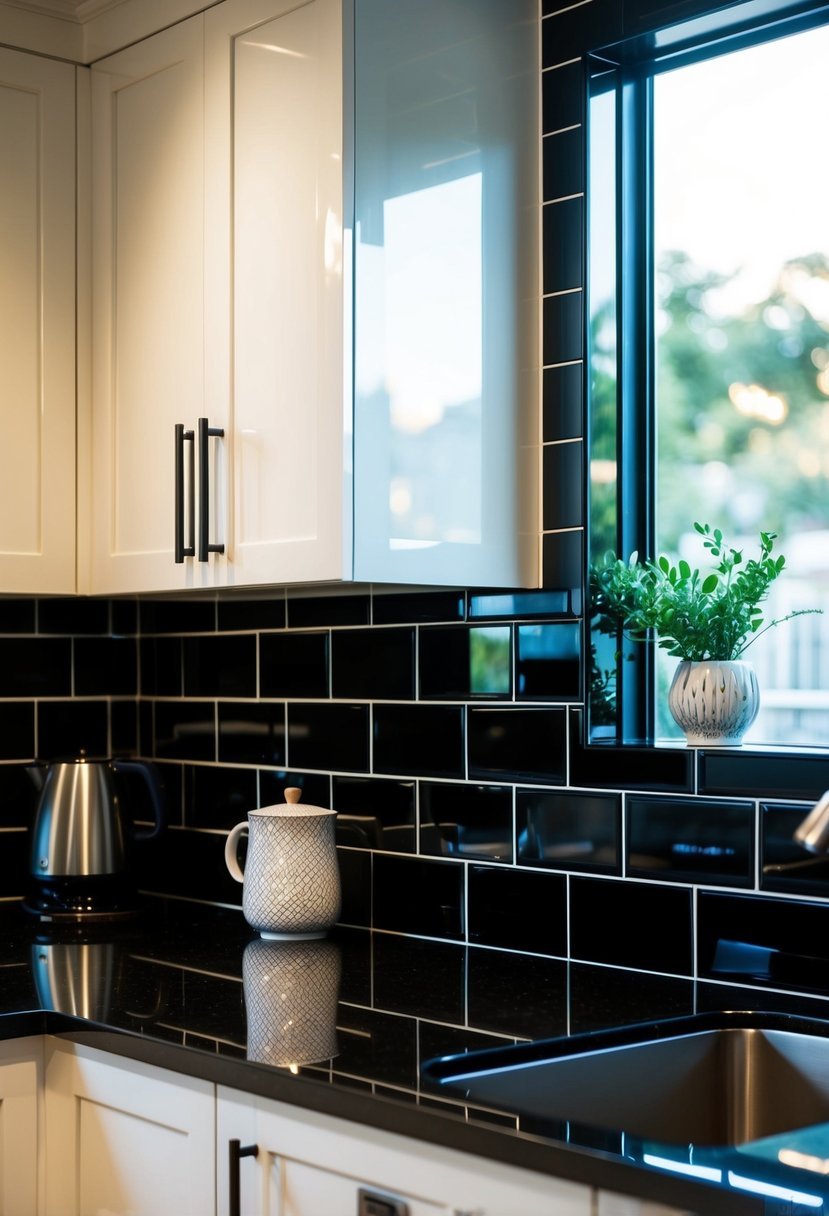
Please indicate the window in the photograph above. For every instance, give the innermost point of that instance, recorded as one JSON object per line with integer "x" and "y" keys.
{"x": 709, "y": 268}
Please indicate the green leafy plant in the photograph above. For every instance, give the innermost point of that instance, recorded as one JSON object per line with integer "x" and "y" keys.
{"x": 694, "y": 616}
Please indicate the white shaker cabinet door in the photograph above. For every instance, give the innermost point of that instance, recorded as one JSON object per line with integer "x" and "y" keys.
{"x": 274, "y": 283}
{"x": 20, "y": 1074}
{"x": 125, "y": 1138}
{"x": 147, "y": 303}
{"x": 37, "y": 324}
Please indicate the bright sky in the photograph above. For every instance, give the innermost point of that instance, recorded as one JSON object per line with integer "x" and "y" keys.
{"x": 737, "y": 179}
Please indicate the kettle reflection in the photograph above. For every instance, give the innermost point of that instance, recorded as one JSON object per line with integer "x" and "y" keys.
{"x": 291, "y": 994}
{"x": 77, "y": 977}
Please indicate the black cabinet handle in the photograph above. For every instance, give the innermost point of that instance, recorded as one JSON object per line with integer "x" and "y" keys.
{"x": 235, "y": 1154}
{"x": 206, "y": 432}
{"x": 182, "y": 550}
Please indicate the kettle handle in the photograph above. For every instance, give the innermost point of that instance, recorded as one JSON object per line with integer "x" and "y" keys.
{"x": 147, "y": 772}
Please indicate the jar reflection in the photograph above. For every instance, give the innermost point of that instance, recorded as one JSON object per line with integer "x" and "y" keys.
{"x": 291, "y": 993}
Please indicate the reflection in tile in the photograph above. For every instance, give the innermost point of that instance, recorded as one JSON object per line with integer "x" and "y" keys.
{"x": 547, "y": 661}
{"x": 294, "y": 664}
{"x": 470, "y": 821}
{"x": 620, "y": 768}
{"x": 631, "y": 924}
{"x": 569, "y": 831}
{"x": 415, "y": 896}
{"x": 464, "y": 661}
{"x": 785, "y": 864}
{"x": 691, "y": 840}
{"x": 185, "y": 730}
{"x": 525, "y": 604}
{"x": 375, "y": 814}
{"x": 252, "y": 733}
{"x": 528, "y": 744}
{"x": 518, "y": 910}
{"x": 402, "y": 607}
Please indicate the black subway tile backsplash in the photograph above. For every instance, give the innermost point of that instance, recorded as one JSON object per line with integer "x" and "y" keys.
{"x": 563, "y": 505}
{"x": 517, "y": 744}
{"x": 105, "y": 666}
{"x": 328, "y": 736}
{"x": 73, "y": 616}
{"x": 17, "y": 732}
{"x": 669, "y": 770}
{"x": 465, "y": 661}
{"x": 252, "y": 733}
{"x": 373, "y": 664}
{"x": 412, "y": 895}
{"x": 184, "y": 730}
{"x": 525, "y": 605}
{"x": 424, "y": 740}
{"x": 406, "y": 607}
{"x": 562, "y": 102}
{"x": 17, "y": 615}
{"x": 569, "y": 831}
{"x": 176, "y": 616}
{"x": 631, "y": 924}
{"x": 66, "y": 728}
{"x": 220, "y": 666}
{"x": 764, "y": 775}
{"x": 19, "y": 791}
{"x": 786, "y": 865}
{"x": 315, "y": 787}
{"x": 766, "y": 941}
{"x": 563, "y": 402}
{"x": 468, "y": 821}
{"x": 306, "y": 612}
{"x": 374, "y": 813}
{"x": 251, "y": 614}
{"x": 518, "y": 910}
{"x": 691, "y": 840}
{"x": 563, "y": 339}
{"x": 563, "y": 242}
{"x": 294, "y": 664}
{"x": 218, "y": 798}
{"x": 548, "y": 661}
{"x": 35, "y": 667}
{"x": 160, "y": 667}
{"x": 563, "y": 176}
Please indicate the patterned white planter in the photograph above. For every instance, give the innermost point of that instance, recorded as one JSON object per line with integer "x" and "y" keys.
{"x": 714, "y": 702}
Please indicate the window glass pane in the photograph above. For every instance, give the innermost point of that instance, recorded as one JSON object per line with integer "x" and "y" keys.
{"x": 741, "y": 233}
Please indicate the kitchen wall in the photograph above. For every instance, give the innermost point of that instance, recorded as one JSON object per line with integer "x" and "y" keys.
{"x": 444, "y": 726}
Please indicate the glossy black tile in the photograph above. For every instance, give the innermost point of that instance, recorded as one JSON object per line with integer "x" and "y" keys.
{"x": 419, "y": 740}
{"x": 562, "y": 97}
{"x": 294, "y": 664}
{"x": 219, "y": 666}
{"x": 568, "y": 32}
{"x": 124, "y": 617}
{"x": 355, "y": 881}
{"x": 548, "y": 661}
{"x": 375, "y": 814}
{"x": 785, "y": 864}
{"x": 634, "y": 768}
{"x": 563, "y": 340}
{"x": 563, "y": 485}
{"x": 468, "y": 821}
{"x": 161, "y": 672}
{"x": 569, "y": 831}
{"x": 416, "y": 896}
{"x": 146, "y": 733}
{"x": 753, "y": 774}
{"x": 763, "y": 940}
{"x": 19, "y": 793}
{"x": 316, "y": 787}
{"x": 563, "y": 402}
{"x": 191, "y": 864}
{"x": 422, "y": 979}
{"x": 251, "y": 614}
{"x": 691, "y": 840}
{"x": 526, "y": 605}
{"x": 329, "y": 737}
{"x": 13, "y": 883}
{"x": 123, "y": 728}
{"x": 563, "y": 175}
{"x": 170, "y": 778}
{"x": 17, "y": 615}
{"x": 463, "y": 661}
{"x": 35, "y": 667}
{"x": 631, "y": 924}
{"x": 562, "y": 566}
{"x": 73, "y": 615}
{"x": 517, "y": 910}
{"x": 184, "y": 730}
{"x": 563, "y": 266}
{"x": 177, "y": 616}
{"x": 601, "y": 997}
{"x": 105, "y": 666}
{"x": 519, "y": 744}
{"x": 377, "y": 1046}
{"x": 400, "y": 608}
{"x": 375, "y": 664}
{"x": 251, "y": 734}
{"x": 218, "y": 798}
{"x": 516, "y": 994}
{"x": 66, "y": 728}
{"x": 307, "y": 611}
{"x": 17, "y": 731}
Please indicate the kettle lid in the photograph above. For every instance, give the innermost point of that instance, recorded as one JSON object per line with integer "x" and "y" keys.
{"x": 292, "y": 808}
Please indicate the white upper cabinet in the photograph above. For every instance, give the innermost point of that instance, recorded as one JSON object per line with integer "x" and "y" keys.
{"x": 37, "y": 324}
{"x": 330, "y": 254}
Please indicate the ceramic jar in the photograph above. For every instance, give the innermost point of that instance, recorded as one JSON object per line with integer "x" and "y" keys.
{"x": 291, "y": 880}
{"x": 715, "y": 702}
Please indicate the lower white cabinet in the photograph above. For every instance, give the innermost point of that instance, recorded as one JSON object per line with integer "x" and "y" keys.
{"x": 124, "y": 1138}
{"x": 21, "y": 1067}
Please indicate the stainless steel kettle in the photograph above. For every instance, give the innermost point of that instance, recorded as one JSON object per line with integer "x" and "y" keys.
{"x": 78, "y": 857}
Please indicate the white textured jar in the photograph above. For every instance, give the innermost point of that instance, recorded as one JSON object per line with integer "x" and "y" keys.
{"x": 291, "y": 880}
{"x": 715, "y": 701}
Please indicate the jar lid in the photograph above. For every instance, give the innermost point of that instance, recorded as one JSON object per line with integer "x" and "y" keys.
{"x": 292, "y": 808}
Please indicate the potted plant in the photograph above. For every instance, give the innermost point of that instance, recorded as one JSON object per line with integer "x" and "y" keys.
{"x": 707, "y": 621}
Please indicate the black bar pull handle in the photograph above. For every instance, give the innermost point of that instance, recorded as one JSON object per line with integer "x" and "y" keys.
{"x": 206, "y": 432}
{"x": 235, "y": 1154}
{"x": 182, "y": 550}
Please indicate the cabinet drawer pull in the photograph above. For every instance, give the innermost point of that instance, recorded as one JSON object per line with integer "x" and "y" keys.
{"x": 182, "y": 550}
{"x": 235, "y": 1154}
{"x": 206, "y": 432}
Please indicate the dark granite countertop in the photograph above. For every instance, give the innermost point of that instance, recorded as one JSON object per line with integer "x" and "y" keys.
{"x": 187, "y": 987}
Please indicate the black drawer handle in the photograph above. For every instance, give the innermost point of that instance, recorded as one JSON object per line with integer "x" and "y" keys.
{"x": 182, "y": 550}
{"x": 206, "y": 432}
{"x": 235, "y": 1154}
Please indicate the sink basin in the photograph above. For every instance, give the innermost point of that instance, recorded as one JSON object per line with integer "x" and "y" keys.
{"x": 692, "y": 1081}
